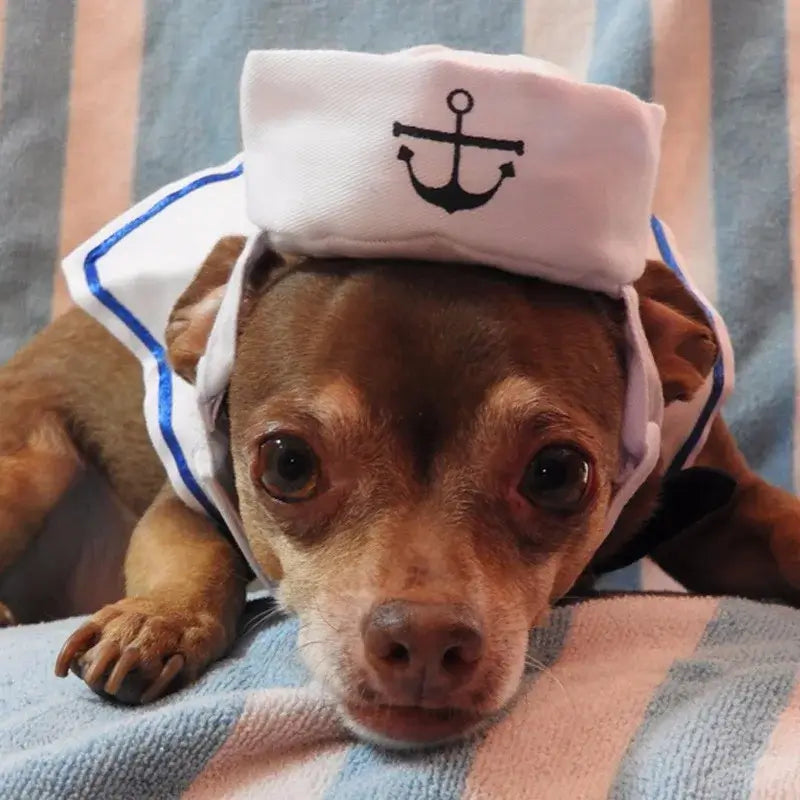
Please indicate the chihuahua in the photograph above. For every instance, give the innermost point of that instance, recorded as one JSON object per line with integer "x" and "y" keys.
{"x": 423, "y": 462}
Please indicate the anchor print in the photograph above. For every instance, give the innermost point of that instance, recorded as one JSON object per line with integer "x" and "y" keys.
{"x": 452, "y": 196}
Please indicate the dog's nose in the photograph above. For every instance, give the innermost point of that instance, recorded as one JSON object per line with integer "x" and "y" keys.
{"x": 422, "y": 652}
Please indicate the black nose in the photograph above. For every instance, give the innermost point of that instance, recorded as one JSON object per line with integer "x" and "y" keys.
{"x": 422, "y": 652}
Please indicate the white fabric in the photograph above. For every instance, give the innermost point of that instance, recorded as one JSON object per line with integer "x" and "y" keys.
{"x": 575, "y": 211}
{"x": 321, "y": 126}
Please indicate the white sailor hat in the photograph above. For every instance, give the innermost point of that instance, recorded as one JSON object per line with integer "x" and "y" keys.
{"x": 455, "y": 156}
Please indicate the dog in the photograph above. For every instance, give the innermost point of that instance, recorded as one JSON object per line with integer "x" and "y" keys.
{"x": 423, "y": 459}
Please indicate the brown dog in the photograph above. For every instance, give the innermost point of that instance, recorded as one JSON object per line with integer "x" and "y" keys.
{"x": 423, "y": 456}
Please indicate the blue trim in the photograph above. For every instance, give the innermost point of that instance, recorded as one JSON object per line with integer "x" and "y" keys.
{"x": 719, "y": 368}
{"x": 126, "y": 316}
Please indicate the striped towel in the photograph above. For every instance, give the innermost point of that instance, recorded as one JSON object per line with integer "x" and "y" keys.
{"x": 628, "y": 697}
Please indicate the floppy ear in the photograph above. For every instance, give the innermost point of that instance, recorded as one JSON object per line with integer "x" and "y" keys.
{"x": 193, "y": 315}
{"x": 682, "y": 340}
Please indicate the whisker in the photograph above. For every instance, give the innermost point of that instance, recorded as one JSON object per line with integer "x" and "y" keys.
{"x": 309, "y": 644}
{"x": 260, "y": 620}
{"x": 325, "y": 619}
{"x": 544, "y": 669}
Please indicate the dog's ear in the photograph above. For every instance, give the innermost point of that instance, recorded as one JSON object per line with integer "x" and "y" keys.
{"x": 682, "y": 340}
{"x": 193, "y": 315}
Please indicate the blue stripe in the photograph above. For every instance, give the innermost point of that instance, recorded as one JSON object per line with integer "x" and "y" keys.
{"x": 718, "y": 381}
{"x": 751, "y": 182}
{"x": 188, "y": 114}
{"x": 709, "y": 722}
{"x": 442, "y": 774}
{"x": 622, "y": 46}
{"x": 35, "y": 76}
{"x": 620, "y": 580}
{"x": 126, "y": 316}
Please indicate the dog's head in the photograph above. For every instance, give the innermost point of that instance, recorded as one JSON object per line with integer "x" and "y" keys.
{"x": 424, "y": 456}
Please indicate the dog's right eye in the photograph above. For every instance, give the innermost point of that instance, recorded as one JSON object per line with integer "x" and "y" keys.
{"x": 288, "y": 468}
{"x": 557, "y": 479}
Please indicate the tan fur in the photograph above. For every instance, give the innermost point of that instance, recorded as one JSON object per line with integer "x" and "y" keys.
{"x": 193, "y": 315}
{"x": 339, "y": 405}
{"x": 753, "y": 543}
{"x": 185, "y": 585}
{"x": 65, "y": 416}
{"x": 35, "y": 475}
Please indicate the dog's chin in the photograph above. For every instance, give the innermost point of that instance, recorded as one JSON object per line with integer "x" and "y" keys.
{"x": 410, "y": 727}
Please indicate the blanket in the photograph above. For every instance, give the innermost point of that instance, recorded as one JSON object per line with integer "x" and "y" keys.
{"x": 627, "y": 697}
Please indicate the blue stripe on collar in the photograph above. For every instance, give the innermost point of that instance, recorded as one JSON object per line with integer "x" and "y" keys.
{"x": 126, "y": 316}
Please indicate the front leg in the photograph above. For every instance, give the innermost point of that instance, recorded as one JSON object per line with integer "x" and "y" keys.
{"x": 751, "y": 547}
{"x": 186, "y": 590}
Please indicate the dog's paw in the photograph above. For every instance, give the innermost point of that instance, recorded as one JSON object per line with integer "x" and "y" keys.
{"x": 6, "y": 617}
{"x": 138, "y": 649}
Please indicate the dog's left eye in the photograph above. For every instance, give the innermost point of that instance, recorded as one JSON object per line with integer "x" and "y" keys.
{"x": 288, "y": 468}
{"x": 557, "y": 479}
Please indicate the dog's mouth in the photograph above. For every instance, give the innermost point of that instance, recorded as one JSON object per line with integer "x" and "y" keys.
{"x": 410, "y": 726}
{"x": 404, "y": 686}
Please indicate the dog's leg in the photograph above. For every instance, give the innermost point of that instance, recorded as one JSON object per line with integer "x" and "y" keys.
{"x": 71, "y": 397}
{"x": 38, "y": 462}
{"x": 186, "y": 590}
{"x": 751, "y": 547}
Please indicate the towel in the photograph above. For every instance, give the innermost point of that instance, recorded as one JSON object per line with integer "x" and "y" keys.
{"x": 629, "y": 696}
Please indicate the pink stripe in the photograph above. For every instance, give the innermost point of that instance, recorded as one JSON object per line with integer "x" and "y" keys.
{"x": 778, "y": 772}
{"x": 567, "y": 735}
{"x": 286, "y": 744}
{"x": 561, "y": 32}
{"x": 103, "y": 115}
{"x": 682, "y": 83}
{"x": 793, "y": 109}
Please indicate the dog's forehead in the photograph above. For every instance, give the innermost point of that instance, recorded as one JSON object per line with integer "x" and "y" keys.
{"x": 421, "y": 340}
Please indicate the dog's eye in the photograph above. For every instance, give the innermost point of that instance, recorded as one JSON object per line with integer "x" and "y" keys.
{"x": 288, "y": 468}
{"x": 557, "y": 478}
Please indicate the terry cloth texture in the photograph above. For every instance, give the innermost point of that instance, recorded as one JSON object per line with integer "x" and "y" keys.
{"x": 635, "y": 698}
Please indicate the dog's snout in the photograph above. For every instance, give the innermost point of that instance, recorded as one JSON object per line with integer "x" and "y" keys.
{"x": 422, "y": 653}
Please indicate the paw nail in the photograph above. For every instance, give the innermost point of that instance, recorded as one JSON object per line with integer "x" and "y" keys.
{"x": 76, "y": 645}
{"x": 162, "y": 682}
{"x": 106, "y": 653}
{"x": 128, "y": 661}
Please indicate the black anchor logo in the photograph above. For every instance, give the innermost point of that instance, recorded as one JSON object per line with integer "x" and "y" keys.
{"x": 452, "y": 197}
